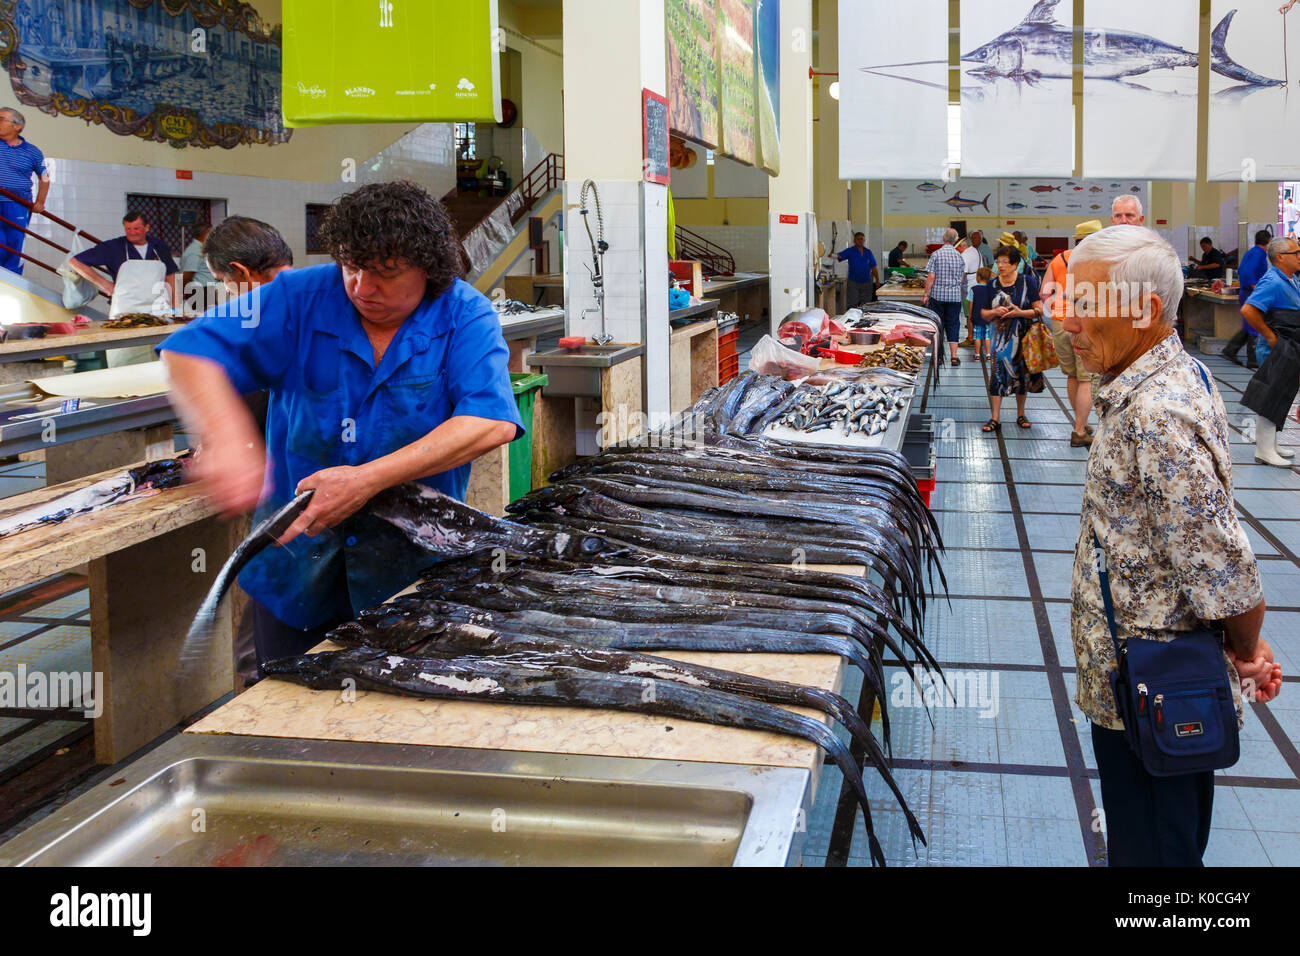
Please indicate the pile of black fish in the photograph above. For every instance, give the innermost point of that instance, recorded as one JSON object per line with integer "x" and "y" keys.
{"x": 654, "y": 547}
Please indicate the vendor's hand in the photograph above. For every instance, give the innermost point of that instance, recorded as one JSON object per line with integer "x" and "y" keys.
{"x": 232, "y": 472}
{"x": 1270, "y": 338}
{"x": 340, "y": 493}
{"x": 38, "y": 207}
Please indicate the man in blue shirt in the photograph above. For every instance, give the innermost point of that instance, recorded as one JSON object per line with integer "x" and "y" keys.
{"x": 1253, "y": 266}
{"x": 19, "y": 161}
{"x": 863, "y": 275}
{"x": 382, "y": 368}
{"x": 1273, "y": 310}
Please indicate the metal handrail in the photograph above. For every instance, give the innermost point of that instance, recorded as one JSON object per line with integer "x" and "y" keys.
{"x": 540, "y": 180}
{"x": 15, "y": 197}
{"x": 691, "y": 245}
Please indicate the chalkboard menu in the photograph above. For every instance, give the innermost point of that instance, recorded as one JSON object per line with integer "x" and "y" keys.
{"x": 654, "y": 119}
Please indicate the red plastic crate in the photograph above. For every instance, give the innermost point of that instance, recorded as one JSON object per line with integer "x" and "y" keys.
{"x": 926, "y": 485}
{"x": 728, "y": 369}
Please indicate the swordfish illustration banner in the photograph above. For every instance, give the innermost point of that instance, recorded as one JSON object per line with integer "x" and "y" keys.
{"x": 1140, "y": 73}
{"x": 1254, "y": 122}
{"x": 1140, "y": 66}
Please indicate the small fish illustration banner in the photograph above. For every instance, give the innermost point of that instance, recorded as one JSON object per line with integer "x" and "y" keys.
{"x": 893, "y": 88}
{"x": 1080, "y": 198}
{"x": 1139, "y": 89}
{"x": 1254, "y": 126}
{"x": 1017, "y": 110}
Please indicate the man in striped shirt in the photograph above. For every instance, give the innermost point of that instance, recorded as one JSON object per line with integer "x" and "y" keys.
{"x": 19, "y": 161}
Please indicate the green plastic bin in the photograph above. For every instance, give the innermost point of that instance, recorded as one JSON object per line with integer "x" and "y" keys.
{"x": 525, "y": 386}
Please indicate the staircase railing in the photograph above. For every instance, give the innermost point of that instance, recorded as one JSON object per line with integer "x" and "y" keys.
{"x": 76, "y": 231}
{"x": 716, "y": 260}
{"x": 540, "y": 180}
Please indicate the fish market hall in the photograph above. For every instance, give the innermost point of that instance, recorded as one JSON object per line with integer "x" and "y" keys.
{"x": 776, "y": 453}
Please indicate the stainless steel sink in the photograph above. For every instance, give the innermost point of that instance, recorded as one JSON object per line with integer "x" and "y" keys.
{"x": 578, "y": 373}
{"x": 222, "y": 800}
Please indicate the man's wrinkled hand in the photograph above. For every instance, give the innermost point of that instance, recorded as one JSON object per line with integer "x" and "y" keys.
{"x": 340, "y": 493}
{"x": 1261, "y": 670}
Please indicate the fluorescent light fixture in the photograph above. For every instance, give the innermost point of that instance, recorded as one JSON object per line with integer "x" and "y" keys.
{"x": 834, "y": 90}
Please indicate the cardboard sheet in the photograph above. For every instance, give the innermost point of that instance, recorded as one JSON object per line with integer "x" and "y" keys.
{"x": 126, "y": 381}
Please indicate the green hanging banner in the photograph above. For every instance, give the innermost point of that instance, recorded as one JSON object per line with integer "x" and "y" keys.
{"x": 390, "y": 61}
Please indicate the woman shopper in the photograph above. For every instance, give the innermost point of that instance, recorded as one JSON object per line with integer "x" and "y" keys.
{"x": 1014, "y": 307}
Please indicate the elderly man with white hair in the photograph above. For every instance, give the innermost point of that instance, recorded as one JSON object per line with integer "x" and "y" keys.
{"x": 19, "y": 162}
{"x": 1126, "y": 210}
{"x": 1158, "y": 516}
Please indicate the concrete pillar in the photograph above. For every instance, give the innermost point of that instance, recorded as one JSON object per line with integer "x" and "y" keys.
{"x": 611, "y": 52}
{"x": 792, "y": 227}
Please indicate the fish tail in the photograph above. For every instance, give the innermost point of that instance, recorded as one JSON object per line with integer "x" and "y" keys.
{"x": 986, "y": 202}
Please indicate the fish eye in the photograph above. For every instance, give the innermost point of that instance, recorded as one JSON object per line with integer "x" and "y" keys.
{"x": 592, "y": 545}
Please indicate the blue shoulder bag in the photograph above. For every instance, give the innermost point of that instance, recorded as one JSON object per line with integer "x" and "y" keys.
{"x": 1173, "y": 696}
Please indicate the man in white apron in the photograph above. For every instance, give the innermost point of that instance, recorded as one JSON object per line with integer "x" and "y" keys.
{"x": 142, "y": 278}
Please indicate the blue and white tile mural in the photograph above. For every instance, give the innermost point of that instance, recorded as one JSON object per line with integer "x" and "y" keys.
{"x": 184, "y": 72}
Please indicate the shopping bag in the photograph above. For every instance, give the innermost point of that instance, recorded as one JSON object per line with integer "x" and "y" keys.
{"x": 77, "y": 289}
{"x": 1273, "y": 387}
{"x": 1039, "y": 349}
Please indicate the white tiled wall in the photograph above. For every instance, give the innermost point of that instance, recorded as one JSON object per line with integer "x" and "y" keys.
{"x": 620, "y": 204}
{"x": 93, "y": 195}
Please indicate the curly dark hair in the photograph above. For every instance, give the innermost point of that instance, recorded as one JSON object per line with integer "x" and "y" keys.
{"x": 394, "y": 222}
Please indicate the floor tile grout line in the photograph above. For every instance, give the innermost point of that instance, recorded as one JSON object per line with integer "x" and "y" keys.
{"x": 1093, "y": 846}
{"x": 42, "y": 630}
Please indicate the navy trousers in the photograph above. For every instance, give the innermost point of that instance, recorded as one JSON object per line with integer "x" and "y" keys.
{"x": 273, "y": 638}
{"x": 13, "y": 236}
{"x": 1150, "y": 821}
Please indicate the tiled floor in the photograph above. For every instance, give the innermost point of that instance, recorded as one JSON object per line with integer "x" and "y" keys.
{"x": 1014, "y": 782}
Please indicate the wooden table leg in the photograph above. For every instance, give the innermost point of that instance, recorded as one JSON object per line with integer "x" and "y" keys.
{"x": 142, "y": 600}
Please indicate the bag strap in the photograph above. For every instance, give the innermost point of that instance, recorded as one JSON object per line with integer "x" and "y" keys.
{"x": 1104, "y": 577}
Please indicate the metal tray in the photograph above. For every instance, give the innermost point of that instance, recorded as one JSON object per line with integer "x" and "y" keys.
{"x": 227, "y": 800}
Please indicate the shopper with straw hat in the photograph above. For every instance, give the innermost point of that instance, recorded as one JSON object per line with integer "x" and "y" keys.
{"x": 1056, "y": 295}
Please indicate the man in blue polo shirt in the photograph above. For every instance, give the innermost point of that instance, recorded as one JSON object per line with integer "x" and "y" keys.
{"x": 19, "y": 161}
{"x": 1273, "y": 310}
{"x": 382, "y": 368}
{"x": 863, "y": 275}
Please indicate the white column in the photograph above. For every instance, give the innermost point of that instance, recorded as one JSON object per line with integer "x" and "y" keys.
{"x": 792, "y": 228}
{"x": 611, "y": 52}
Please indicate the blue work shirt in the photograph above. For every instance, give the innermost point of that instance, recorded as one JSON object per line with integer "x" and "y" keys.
{"x": 1253, "y": 266}
{"x": 1275, "y": 291}
{"x": 860, "y": 263}
{"x": 17, "y": 165}
{"x": 300, "y": 338}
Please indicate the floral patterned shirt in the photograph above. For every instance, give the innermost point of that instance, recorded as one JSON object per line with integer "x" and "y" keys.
{"x": 1159, "y": 497}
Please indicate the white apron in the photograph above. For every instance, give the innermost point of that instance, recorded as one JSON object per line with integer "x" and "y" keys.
{"x": 141, "y": 286}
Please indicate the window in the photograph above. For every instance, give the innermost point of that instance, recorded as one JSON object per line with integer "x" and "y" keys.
{"x": 315, "y": 215}
{"x": 466, "y": 148}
